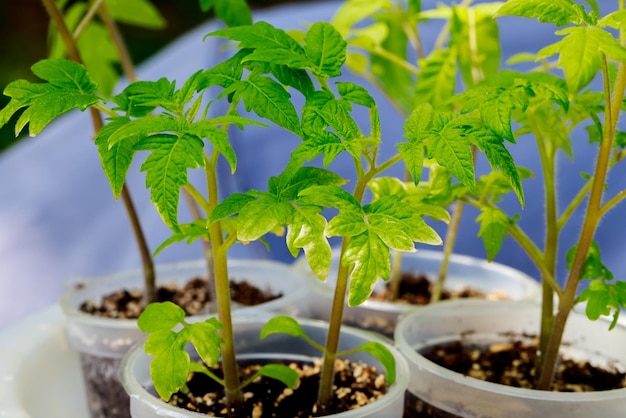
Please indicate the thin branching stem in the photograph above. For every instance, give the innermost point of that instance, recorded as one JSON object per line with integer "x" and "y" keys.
{"x": 547, "y": 157}
{"x": 87, "y": 18}
{"x": 97, "y": 122}
{"x": 325, "y": 392}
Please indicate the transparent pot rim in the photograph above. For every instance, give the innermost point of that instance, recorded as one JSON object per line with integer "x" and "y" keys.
{"x": 478, "y": 304}
{"x": 136, "y": 390}
{"x": 73, "y": 314}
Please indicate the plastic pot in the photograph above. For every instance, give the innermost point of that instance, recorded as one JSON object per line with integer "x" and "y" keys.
{"x": 102, "y": 342}
{"x": 135, "y": 372}
{"x": 479, "y": 321}
{"x": 463, "y": 272}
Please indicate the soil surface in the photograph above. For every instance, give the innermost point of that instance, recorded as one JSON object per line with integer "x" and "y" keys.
{"x": 512, "y": 364}
{"x": 105, "y": 394}
{"x": 194, "y": 298}
{"x": 356, "y": 385}
{"x": 414, "y": 289}
{"x": 417, "y": 289}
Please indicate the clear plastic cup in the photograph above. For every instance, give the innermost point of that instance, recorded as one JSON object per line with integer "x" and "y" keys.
{"x": 101, "y": 342}
{"x": 480, "y": 321}
{"x": 463, "y": 272}
{"x": 135, "y": 371}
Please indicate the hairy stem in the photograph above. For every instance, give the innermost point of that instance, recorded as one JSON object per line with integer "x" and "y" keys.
{"x": 547, "y": 158}
{"x": 325, "y": 393}
{"x": 222, "y": 290}
{"x": 590, "y": 222}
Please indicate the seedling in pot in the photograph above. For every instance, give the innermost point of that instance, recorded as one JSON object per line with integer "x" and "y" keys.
{"x": 553, "y": 108}
{"x": 389, "y": 47}
{"x": 295, "y": 198}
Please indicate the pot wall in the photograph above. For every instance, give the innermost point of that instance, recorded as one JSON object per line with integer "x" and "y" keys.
{"x": 135, "y": 372}
{"x": 101, "y": 342}
{"x": 463, "y": 270}
{"x": 486, "y": 321}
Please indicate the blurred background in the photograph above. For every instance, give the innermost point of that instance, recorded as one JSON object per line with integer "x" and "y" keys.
{"x": 24, "y": 28}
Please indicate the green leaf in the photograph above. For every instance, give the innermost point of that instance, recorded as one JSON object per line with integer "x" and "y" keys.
{"x": 448, "y": 143}
{"x": 384, "y": 356}
{"x": 326, "y": 49}
{"x": 160, "y": 316}
{"x": 371, "y": 260}
{"x": 500, "y": 158}
{"x": 558, "y": 12}
{"x": 304, "y": 177}
{"x": 593, "y": 268}
{"x": 269, "y": 43}
{"x": 322, "y": 111}
{"x": 170, "y": 366}
{"x": 142, "y": 97}
{"x": 233, "y": 12}
{"x": 412, "y": 154}
{"x": 493, "y": 223}
{"x": 355, "y": 94}
{"x": 269, "y": 100}
{"x": 615, "y": 20}
{"x": 346, "y": 224}
{"x": 206, "y": 339}
{"x": 226, "y": 73}
{"x": 416, "y": 128}
{"x": 282, "y": 325}
{"x": 323, "y": 143}
{"x": 230, "y": 206}
{"x": 218, "y": 138}
{"x": 280, "y": 372}
{"x": 296, "y": 78}
{"x": 117, "y": 158}
{"x": 437, "y": 78}
{"x": 580, "y": 54}
{"x": 140, "y": 13}
{"x": 496, "y": 99}
{"x": 598, "y": 299}
{"x": 353, "y": 11}
{"x": 100, "y": 56}
{"x": 166, "y": 170}
{"x": 329, "y": 196}
{"x": 395, "y": 80}
{"x": 398, "y": 222}
{"x": 260, "y": 216}
{"x": 474, "y": 35}
{"x": 549, "y": 87}
{"x": 189, "y": 232}
{"x": 307, "y": 231}
{"x": 68, "y": 87}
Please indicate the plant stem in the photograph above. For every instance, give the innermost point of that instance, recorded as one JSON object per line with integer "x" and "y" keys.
{"x": 547, "y": 156}
{"x": 97, "y": 122}
{"x": 127, "y": 64}
{"x": 222, "y": 290}
{"x": 529, "y": 247}
{"x": 87, "y": 18}
{"x": 448, "y": 248}
{"x": 591, "y": 220}
{"x": 207, "y": 249}
{"x": 325, "y": 393}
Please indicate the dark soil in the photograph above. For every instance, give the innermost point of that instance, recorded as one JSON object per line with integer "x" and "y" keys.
{"x": 356, "y": 385}
{"x": 511, "y": 364}
{"x": 194, "y": 298}
{"x": 417, "y": 289}
{"x": 106, "y": 396}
